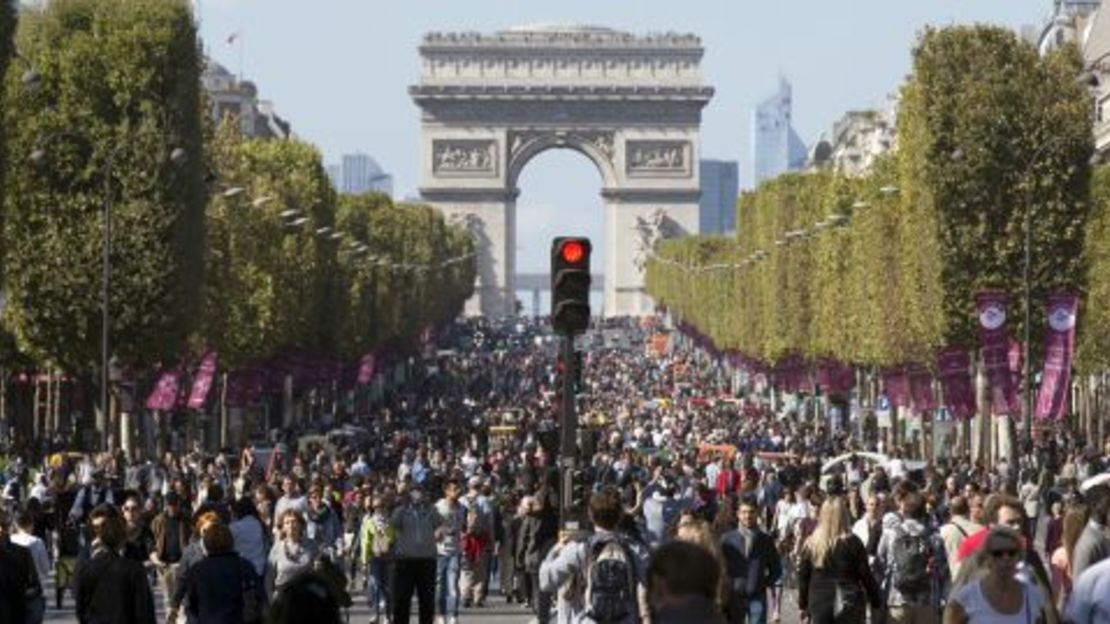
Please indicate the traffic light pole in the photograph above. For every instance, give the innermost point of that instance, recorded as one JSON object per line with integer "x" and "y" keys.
{"x": 568, "y": 447}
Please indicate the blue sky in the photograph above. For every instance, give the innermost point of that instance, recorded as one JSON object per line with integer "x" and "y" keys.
{"x": 339, "y": 69}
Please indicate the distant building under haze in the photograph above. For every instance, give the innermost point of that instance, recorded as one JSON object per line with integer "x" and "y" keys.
{"x": 776, "y": 146}
{"x": 720, "y": 184}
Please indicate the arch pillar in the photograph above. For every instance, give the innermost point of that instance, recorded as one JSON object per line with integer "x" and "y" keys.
{"x": 624, "y": 210}
{"x": 490, "y": 216}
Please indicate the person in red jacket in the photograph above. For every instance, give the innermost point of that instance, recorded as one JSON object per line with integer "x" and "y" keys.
{"x": 728, "y": 480}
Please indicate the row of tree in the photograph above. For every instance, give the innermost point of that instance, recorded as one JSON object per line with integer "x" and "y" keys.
{"x": 219, "y": 242}
{"x": 883, "y": 270}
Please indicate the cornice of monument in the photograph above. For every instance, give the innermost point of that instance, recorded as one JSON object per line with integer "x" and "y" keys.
{"x": 567, "y": 92}
{"x": 561, "y": 36}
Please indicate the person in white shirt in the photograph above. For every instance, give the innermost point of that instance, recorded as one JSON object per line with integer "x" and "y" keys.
{"x": 24, "y": 524}
{"x": 360, "y": 468}
{"x": 1090, "y": 595}
{"x": 40, "y": 489}
{"x": 995, "y": 594}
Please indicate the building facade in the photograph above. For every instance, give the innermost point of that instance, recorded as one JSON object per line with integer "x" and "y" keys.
{"x": 720, "y": 187}
{"x": 232, "y": 97}
{"x": 1085, "y": 23}
{"x": 776, "y": 146}
{"x": 858, "y": 138}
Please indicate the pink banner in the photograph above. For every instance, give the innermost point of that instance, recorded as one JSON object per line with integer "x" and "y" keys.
{"x": 921, "y": 389}
{"x": 955, "y": 377}
{"x": 896, "y": 387}
{"x": 995, "y": 344}
{"x": 164, "y": 395}
{"x": 202, "y": 381}
{"x": 1052, "y": 399}
{"x": 366, "y": 368}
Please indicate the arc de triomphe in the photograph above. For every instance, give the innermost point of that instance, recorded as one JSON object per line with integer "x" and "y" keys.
{"x": 631, "y": 104}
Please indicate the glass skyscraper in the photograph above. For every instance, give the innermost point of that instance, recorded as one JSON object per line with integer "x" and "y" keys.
{"x": 777, "y": 148}
{"x": 359, "y": 173}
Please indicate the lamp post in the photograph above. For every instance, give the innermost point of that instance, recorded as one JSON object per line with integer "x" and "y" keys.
{"x": 37, "y": 157}
{"x": 1027, "y": 295}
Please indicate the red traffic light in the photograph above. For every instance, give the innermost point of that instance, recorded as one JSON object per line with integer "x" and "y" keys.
{"x": 573, "y": 251}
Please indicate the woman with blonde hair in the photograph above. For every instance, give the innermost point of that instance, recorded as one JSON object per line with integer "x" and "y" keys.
{"x": 834, "y": 580}
{"x": 991, "y": 592}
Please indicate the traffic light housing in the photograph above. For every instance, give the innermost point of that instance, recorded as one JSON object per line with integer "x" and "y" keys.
{"x": 570, "y": 284}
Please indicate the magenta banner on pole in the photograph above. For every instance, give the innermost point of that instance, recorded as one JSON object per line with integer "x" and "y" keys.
{"x": 995, "y": 344}
{"x": 366, "y": 368}
{"x": 896, "y": 387}
{"x": 202, "y": 382}
{"x": 164, "y": 395}
{"x": 921, "y": 388}
{"x": 1052, "y": 399}
{"x": 954, "y": 364}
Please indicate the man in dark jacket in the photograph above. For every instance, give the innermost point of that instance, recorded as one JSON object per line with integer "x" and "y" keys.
{"x": 753, "y": 566}
{"x": 223, "y": 588}
{"x": 19, "y": 582}
{"x": 109, "y": 588}
{"x": 171, "y": 537}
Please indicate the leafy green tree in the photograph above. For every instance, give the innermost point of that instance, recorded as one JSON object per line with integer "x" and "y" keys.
{"x": 272, "y": 279}
{"x": 119, "y": 93}
{"x": 988, "y": 130}
{"x": 1093, "y": 353}
{"x": 7, "y": 30}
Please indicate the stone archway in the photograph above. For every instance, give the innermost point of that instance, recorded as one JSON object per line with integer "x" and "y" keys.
{"x": 632, "y": 105}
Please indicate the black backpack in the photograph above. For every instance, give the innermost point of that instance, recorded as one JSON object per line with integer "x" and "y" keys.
{"x": 911, "y": 556}
{"x": 610, "y": 579}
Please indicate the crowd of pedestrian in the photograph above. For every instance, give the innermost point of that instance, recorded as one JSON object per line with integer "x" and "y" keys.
{"x": 705, "y": 504}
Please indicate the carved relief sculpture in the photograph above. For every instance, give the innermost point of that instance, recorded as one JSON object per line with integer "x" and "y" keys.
{"x": 464, "y": 156}
{"x": 657, "y": 155}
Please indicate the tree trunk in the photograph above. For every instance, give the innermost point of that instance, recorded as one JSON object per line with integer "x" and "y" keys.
{"x": 980, "y": 440}
{"x": 287, "y": 402}
{"x": 4, "y": 422}
{"x": 223, "y": 412}
{"x": 36, "y": 408}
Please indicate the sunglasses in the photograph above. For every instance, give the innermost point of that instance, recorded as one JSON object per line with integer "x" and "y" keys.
{"x": 1004, "y": 552}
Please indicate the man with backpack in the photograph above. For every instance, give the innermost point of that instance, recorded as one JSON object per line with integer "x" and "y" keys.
{"x": 914, "y": 565}
{"x": 600, "y": 578}
{"x": 956, "y": 530}
{"x": 753, "y": 566}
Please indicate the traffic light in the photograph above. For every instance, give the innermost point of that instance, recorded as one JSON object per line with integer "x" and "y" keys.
{"x": 570, "y": 284}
